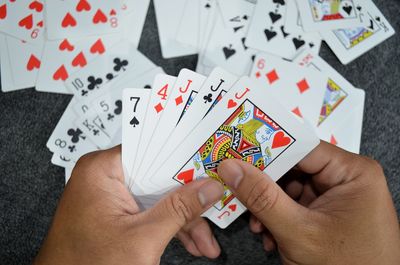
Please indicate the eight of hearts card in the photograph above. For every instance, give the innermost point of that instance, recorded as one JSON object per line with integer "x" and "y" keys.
{"x": 247, "y": 124}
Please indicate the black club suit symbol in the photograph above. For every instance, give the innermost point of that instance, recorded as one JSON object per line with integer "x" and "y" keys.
{"x": 120, "y": 64}
{"x": 94, "y": 82}
{"x": 207, "y": 98}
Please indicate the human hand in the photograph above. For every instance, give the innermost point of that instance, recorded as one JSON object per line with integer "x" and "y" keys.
{"x": 341, "y": 211}
{"x": 98, "y": 222}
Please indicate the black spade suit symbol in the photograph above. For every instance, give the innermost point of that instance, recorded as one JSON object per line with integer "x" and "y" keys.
{"x": 298, "y": 43}
{"x": 274, "y": 16}
{"x": 134, "y": 122}
{"x": 348, "y": 9}
{"x": 270, "y": 34}
{"x": 228, "y": 52}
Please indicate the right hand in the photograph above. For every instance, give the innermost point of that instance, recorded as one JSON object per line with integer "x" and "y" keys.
{"x": 342, "y": 211}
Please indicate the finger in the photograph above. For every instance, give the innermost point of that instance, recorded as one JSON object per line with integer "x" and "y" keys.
{"x": 181, "y": 207}
{"x": 263, "y": 197}
{"x": 308, "y": 195}
{"x": 188, "y": 243}
{"x": 269, "y": 242}
{"x": 255, "y": 225}
{"x": 327, "y": 163}
{"x": 294, "y": 189}
{"x": 201, "y": 234}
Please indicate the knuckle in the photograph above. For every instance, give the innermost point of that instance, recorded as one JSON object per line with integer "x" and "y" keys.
{"x": 263, "y": 196}
{"x": 180, "y": 208}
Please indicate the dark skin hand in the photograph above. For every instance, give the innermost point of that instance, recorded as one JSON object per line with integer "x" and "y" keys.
{"x": 336, "y": 210}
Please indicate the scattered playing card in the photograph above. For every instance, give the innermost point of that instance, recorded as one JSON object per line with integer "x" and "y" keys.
{"x": 350, "y": 43}
{"x": 81, "y": 18}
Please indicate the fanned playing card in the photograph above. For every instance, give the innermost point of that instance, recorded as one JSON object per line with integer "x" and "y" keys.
{"x": 81, "y": 18}
{"x": 247, "y": 124}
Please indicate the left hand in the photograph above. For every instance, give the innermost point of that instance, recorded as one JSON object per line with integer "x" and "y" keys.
{"x": 98, "y": 222}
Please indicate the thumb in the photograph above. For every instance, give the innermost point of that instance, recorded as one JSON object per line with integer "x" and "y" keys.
{"x": 183, "y": 206}
{"x": 263, "y": 197}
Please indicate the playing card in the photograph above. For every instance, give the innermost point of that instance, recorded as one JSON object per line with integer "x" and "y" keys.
{"x": 292, "y": 18}
{"x": 26, "y": 60}
{"x": 135, "y": 102}
{"x": 247, "y": 124}
{"x": 136, "y": 11}
{"x": 161, "y": 90}
{"x": 62, "y": 161}
{"x": 226, "y": 50}
{"x": 7, "y": 80}
{"x": 350, "y": 43}
{"x": 114, "y": 64}
{"x": 189, "y": 27}
{"x": 68, "y": 174}
{"x": 300, "y": 90}
{"x": 340, "y": 98}
{"x": 62, "y": 58}
{"x": 185, "y": 90}
{"x": 22, "y": 19}
{"x": 347, "y": 135}
{"x": 167, "y": 25}
{"x": 268, "y": 33}
{"x": 81, "y": 18}
{"x": 206, "y": 10}
{"x": 212, "y": 91}
{"x": 322, "y": 15}
{"x": 109, "y": 105}
{"x": 68, "y": 139}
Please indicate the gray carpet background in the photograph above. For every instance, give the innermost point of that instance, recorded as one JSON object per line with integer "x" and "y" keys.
{"x": 30, "y": 185}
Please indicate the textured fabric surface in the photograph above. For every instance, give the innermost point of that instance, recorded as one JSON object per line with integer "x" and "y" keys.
{"x": 30, "y": 185}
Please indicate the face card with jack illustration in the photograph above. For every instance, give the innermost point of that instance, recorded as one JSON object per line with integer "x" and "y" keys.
{"x": 247, "y": 124}
{"x": 322, "y": 15}
{"x": 350, "y": 43}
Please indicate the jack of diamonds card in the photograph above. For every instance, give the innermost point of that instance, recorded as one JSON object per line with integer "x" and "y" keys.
{"x": 80, "y": 18}
{"x": 22, "y": 19}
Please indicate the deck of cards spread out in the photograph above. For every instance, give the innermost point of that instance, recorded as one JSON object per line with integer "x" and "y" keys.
{"x": 260, "y": 92}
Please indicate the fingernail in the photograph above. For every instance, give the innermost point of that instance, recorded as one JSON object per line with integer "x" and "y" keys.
{"x": 231, "y": 173}
{"x": 210, "y": 192}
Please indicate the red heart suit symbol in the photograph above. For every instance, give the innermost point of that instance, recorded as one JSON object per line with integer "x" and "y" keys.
{"x": 65, "y": 45}
{"x": 3, "y": 11}
{"x": 280, "y": 140}
{"x": 35, "y": 5}
{"x": 232, "y": 207}
{"x": 186, "y": 176}
{"x": 97, "y": 47}
{"x": 60, "y": 74}
{"x": 83, "y": 5}
{"x": 40, "y": 24}
{"x": 26, "y": 22}
{"x": 68, "y": 21}
{"x": 231, "y": 104}
{"x": 79, "y": 60}
{"x": 99, "y": 17}
{"x": 33, "y": 63}
{"x": 113, "y": 13}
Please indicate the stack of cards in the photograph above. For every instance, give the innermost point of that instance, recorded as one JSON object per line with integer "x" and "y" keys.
{"x": 185, "y": 126}
{"x": 43, "y": 43}
{"x": 228, "y": 33}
